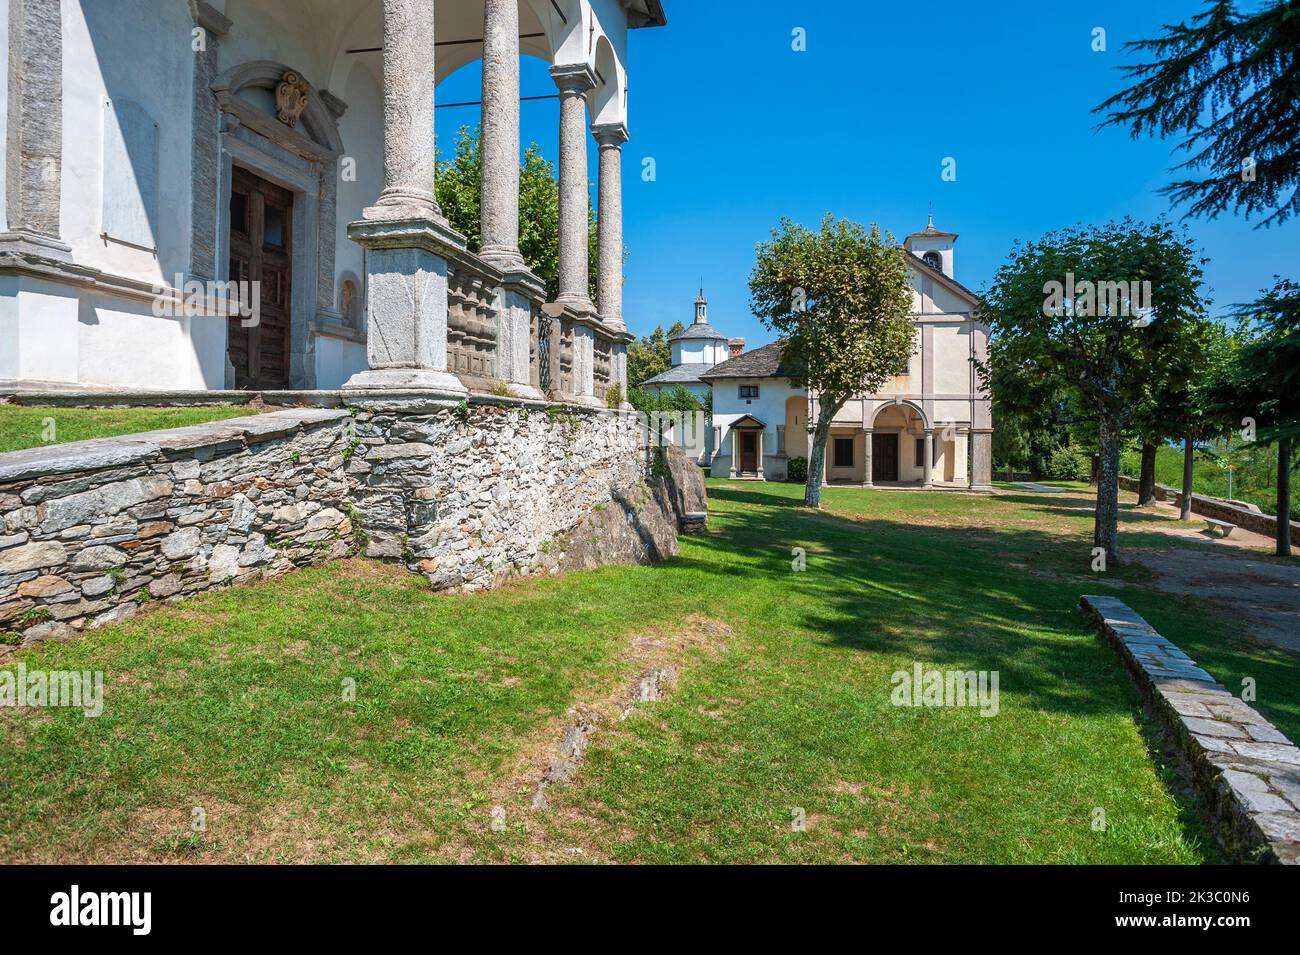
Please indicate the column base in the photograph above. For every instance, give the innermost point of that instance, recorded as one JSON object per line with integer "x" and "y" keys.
{"x": 425, "y": 380}
{"x": 613, "y": 324}
{"x": 579, "y": 306}
{"x": 525, "y": 391}
{"x": 508, "y": 261}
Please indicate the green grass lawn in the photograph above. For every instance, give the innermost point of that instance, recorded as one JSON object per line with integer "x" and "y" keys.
{"x": 1254, "y": 481}
{"x": 24, "y": 426}
{"x": 232, "y": 702}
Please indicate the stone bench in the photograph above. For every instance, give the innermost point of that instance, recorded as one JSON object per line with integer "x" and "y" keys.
{"x": 1218, "y": 528}
{"x": 1245, "y": 769}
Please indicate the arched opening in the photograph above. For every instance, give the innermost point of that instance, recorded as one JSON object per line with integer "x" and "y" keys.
{"x": 898, "y": 444}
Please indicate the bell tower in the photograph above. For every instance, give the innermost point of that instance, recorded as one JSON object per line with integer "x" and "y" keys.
{"x": 933, "y": 246}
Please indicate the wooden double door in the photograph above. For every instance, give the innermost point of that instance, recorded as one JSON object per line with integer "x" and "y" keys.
{"x": 884, "y": 457}
{"x": 261, "y": 251}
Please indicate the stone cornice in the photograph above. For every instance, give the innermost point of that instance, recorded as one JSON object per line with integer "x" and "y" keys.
{"x": 211, "y": 19}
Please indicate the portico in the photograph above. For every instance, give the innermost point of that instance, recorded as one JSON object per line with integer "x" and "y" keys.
{"x": 302, "y": 159}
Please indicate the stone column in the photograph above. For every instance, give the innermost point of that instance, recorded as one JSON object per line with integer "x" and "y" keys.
{"x": 499, "y": 177}
{"x": 34, "y": 147}
{"x": 574, "y": 81}
{"x": 981, "y": 460}
{"x": 866, "y": 457}
{"x": 927, "y": 479}
{"x": 408, "y": 242}
{"x": 410, "y": 162}
{"x": 761, "y": 476}
{"x": 609, "y": 224}
{"x": 735, "y": 453}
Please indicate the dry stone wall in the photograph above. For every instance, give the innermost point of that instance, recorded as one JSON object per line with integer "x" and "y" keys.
{"x": 472, "y": 494}
{"x": 96, "y": 530}
{"x": 467, "y": 495}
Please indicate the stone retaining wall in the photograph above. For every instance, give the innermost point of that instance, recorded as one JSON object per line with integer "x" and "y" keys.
{"x": 95, "y": 530}
{"x": 1265, "y": 524}
{"x": 473, "y": 494}
{"x": 467, "y": 494}
{"x": 1245, "y": 769}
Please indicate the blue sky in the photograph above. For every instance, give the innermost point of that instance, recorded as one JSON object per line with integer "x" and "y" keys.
{"x": 744, "y": 130}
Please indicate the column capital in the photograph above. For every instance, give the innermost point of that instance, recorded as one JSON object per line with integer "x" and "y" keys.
{"x": 573, "y": 77}
{"x": 610, "y": 134}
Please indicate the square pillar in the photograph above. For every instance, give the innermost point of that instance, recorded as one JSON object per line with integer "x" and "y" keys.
{"x": 981, "y": 460}
{"x": 514, "y": 307}
{"x": 927, "y": 477}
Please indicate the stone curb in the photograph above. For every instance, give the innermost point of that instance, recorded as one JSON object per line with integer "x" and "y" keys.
{"x": 1244, "y": 768}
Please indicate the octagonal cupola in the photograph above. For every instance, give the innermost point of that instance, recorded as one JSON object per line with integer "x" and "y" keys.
{"x": 699, "y": 342}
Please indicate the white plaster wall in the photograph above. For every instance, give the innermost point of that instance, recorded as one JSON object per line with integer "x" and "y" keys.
{"x": 952, "y": 367}
{"x": 127, "y": 50}
{"x": 362, "y": 132}
{"x": 127, "y": 346}
{"x": 38, "y": 330}
{"x": 8, "y": 326}
{"x": 337, "y": 360}
{"x": 768, "y": 407}
{"x": 696, "y": 351}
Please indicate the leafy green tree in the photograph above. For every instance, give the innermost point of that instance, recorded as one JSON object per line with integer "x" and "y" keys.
{"x": 1262, "y": 387}
{"x": 1178, "y": 364}
{"x": 840, "y": 300}
{"x": 651, "y": 355}
{"x": 1229, "y": 82}
{"x": 1071, "y": 311}
{"x": 459, "y": 194}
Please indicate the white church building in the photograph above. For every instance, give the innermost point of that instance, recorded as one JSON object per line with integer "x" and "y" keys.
{"x": 239, "y": 194}
{"x": 929, "y": 428}
{"x": 694, "y": 351}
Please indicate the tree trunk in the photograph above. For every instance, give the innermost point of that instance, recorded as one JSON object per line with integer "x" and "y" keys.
{"x": 1105, "y": 532}
{"x": 812, "y": 494}
{"x": 1096, "y": 470}
{"x": 1284, "y": 497}
{"x": 1147, "y": 476}
{"x": 1185, "y": 509}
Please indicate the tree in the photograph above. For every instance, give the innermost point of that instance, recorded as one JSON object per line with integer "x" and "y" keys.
{"x": 650, "y": 356}
{"x": 1262, "y": 387}
{"x": 1229, "y": 83}
{"x": 1177, "y": 364}
{"x": 1077, "y": 310}
{"x": 840, "y": 300}
{"x": 459, "y": 194}
{"x": 1032, "y": 415}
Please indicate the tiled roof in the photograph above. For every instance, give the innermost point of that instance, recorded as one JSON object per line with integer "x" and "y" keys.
{"x": 698, "y": 330}
{"x": 765, "y": 362}
{"x": 684, "y": 374}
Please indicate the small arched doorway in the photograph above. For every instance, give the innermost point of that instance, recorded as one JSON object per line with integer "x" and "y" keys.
{"x": 898, "y": 435}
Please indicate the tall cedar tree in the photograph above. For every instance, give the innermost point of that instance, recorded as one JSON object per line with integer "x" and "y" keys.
{"x": 1228, "y": 82}
{"x": 1095, "y": 346}
{"x": 840, "y": 301}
